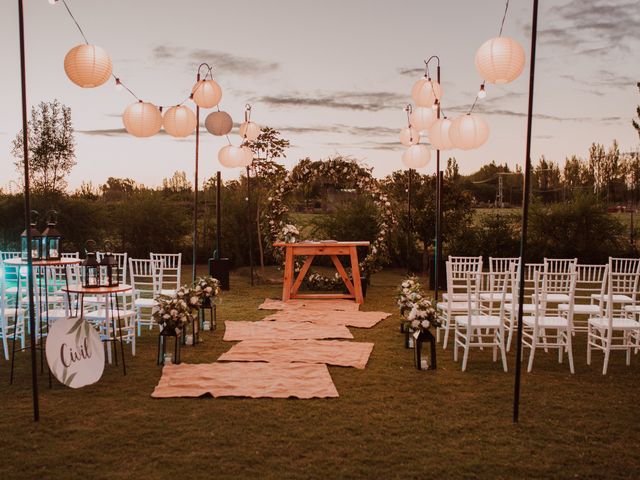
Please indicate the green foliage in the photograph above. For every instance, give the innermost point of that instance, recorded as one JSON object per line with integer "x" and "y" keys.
{"x": 51, "y": 147}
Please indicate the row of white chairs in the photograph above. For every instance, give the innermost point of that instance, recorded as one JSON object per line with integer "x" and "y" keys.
{"x": 148, "y": 278}
{"x": 561, "y": 298}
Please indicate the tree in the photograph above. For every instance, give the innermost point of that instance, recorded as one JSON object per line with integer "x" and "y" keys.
{"x": 596, "y": 167}
{"x": 636, "y": 124}
{"x": 177, "y": 183}
{"x": 51, "y": 147}
{"x": 266, "y": 147}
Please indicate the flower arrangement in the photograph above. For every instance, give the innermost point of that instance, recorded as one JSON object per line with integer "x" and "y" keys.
{"x": 289, "y": 233}
{"x": 417, "y": 310}
{"x": 205, "y": 288}
{"x": 172, "y": 313}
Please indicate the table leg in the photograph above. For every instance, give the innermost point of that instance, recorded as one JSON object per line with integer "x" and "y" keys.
{"x": 343, "y": 274}
{"x": 301, "y": 275}
{"x": 124, "y": 368}
{"x": 107, "y": 321}
{"x": 288, "y": 274}
{"x": 355, "y": 272}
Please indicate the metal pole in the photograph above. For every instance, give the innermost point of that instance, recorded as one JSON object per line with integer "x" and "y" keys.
{"x": 525, "y": 214}
{"x": 27, "y": 219}
{"x": 438, "y": 252}
{"x": 194, "y": 259}
{"x": 409, "y": 222}
{"x": 218, "y": 226}
{"x": 249, "y": 222}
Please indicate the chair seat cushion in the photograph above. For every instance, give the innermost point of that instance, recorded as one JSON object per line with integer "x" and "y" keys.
{"x": 455, "y": 306}
{"x": 101, "y": 314}
{"x": 557, "y": 297}
{"x": 618, "y": 323}
{"x": 617, "y": 298}
{"x": 496, "y": 296}
{"x": 632, "y": 308}
{"x": 546, "y": 322}
{"x": 480, "y": 321}
{"x": 145, "y": 302}
{"x": 580, "y": 308}
{"x": 527, "y": 308}
{"x": 169, "y": 292}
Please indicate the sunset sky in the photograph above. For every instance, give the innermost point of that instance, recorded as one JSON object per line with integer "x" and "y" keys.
{"x": 331, "y": 75}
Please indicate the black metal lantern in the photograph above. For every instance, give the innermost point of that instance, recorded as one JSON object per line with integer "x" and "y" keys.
{"x": 91, "y": 267}
{"x": 109, "y": 268}
{"x": 36, "y": 240}
{"x": 51, "y": 238}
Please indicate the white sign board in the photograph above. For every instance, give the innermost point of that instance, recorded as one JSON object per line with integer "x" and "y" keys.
{"x": 75, "y": 353}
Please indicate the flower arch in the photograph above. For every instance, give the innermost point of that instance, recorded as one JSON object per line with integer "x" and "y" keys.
{"x": 339, "y": 171}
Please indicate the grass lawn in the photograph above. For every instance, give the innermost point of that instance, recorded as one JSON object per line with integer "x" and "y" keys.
{"x": 391, "y": 421}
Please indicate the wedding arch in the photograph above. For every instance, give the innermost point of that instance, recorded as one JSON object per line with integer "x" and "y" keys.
{"x": 338, "y": 171}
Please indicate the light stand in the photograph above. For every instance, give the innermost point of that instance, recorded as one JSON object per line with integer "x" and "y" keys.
{"x": 27, "y": 220}
{"x": 525, "y": 214}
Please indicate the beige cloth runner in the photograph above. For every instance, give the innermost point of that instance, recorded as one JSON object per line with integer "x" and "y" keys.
{"x": 235, "y": 331}
{"x": 343, "y": 305}
{"x": 350, "y": 319}
{"x": 246, "y": 380}
{"x": 332, "y": 352}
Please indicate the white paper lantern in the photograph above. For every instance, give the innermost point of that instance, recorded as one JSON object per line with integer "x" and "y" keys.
{"x": 249, "y": 131}
{"x": 142, "y": 119}
{"x": 468, "y": 131}
{"x": 416, "y": 156}
{"x": 246, "y": 157}
{"x": 179, "y": 121}
{"x": 87, "y": 66}
{"x": 439, "y": 134}
{"x": 422, "y": 118}
{"x": 500, "y": 60}
{"x": 206, "y": 93}
{"x": 409, "y": 136}
{"x": 226, "y": 156}
{"x": 425, "y": 91}
{"x": 218, "y": 123}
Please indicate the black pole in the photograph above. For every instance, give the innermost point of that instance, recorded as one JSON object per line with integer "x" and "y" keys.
{"x": 249, "y": 222}
{"x": 194, "y": 259}
{"x": 525, "y": 214}
{"x": 218, "y": 226}
{"x": 27, "y": 219}
{"x": 409, "y": 222}
{"x": 438, "y": 252}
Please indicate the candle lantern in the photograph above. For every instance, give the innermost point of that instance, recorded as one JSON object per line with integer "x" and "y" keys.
{"x": 36, "y": 239}
{"x": 109, "y": 267}
{"x": 91, "y": 267}
{"x": 51, "y": 238}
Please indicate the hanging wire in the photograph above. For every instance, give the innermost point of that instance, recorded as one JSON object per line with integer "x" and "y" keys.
{"x": 506, "y": 7}
{"x": 64, "y": 2}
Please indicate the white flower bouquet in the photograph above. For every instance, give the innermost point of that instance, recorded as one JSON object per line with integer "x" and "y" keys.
{"x": 172, "y": 313}
{"x": 205, "y": 289}
{"x": 290, "y": 233}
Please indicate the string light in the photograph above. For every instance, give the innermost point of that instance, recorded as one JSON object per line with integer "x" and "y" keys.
{"x": 482, "y": 93}
{"x": 119, "y": 86}
{"x": 53, "y": 2}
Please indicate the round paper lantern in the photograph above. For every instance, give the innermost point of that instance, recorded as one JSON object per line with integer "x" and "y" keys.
{"x": 246, "y": 157}
{"x": 87, "y": 66}
{"x": 468, "y": 131}
{"x": 249, "y": 131}
{"x": 227, "y": 157}
{"x": 422, "y": 118}
{"x": 206, "y": 93}
{"x": 218, "y": 123}
{"x": 439, "y": 134}
{"x": 142, "y": 119}
{"x": 416, "y": 156}
{"x": 500, "y": 60}
{"x": 425, "y": 91}
{"x": 179, "y": 121}
{"x": 409, "y": 136}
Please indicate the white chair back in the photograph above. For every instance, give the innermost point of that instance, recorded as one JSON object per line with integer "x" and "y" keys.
{"x": 623, "y": 265}
{"x": 71, "y": 255}
{"x": 547, "y": 283}
{"x": 7, "y": 255}
{"x": 121, "y": 257}
{"x": 502, "y": 264}
{"x": 560, "y": 265}
{"x": 146, "y": 277}
{"x": 590, "y": 279}
{"x": 486, "y": 293}
{"x": 171, "y": 264}
{"x": 620, "y": 283}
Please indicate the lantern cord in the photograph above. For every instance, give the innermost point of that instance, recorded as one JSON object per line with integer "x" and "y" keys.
{"x": 506, "y": 7}
{"x": 75, "y": 21}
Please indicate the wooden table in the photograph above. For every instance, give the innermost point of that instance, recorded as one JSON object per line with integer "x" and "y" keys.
{"x": 311, "y": 250}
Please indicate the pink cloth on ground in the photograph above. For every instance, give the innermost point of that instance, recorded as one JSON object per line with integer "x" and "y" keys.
{"x": 351, "y": 319}
{"x": 328, "y": 305}
{"x": 332, "y": 352}
{"x": 235, "y": 331}
{"x": 244, "y": 379}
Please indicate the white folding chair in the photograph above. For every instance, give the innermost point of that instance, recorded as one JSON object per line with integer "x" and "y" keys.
{"x": 483, "y": 324}
{"x": 615, "y": 330}
{"x": 146, "y": 279}
{"x": 8, "y": 313}
{"x": 590, "y": 280}
{"x": 530, "y": 270}
{"x": 171, "y": 264}
{"x": 545, "y": 328}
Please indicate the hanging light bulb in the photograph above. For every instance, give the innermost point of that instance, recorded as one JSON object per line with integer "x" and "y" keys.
{"x": 53, "y": 2}
{"x": 426, "y": 91}
{"x": 435, "y": 105}
{"x": 482, "y": 93}
{"x": 409, "y": 136}
{"x": 119, "y": 86}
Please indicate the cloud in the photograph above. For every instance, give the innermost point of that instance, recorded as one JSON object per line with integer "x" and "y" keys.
{"x": 603, "y": 78}
{"x": 220, "y": 61}
{"x": 104, "y": 132}
{"x": 411, "y": 72}
{"x": 339, "y": 128}
{"x": 359, "y": 101}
